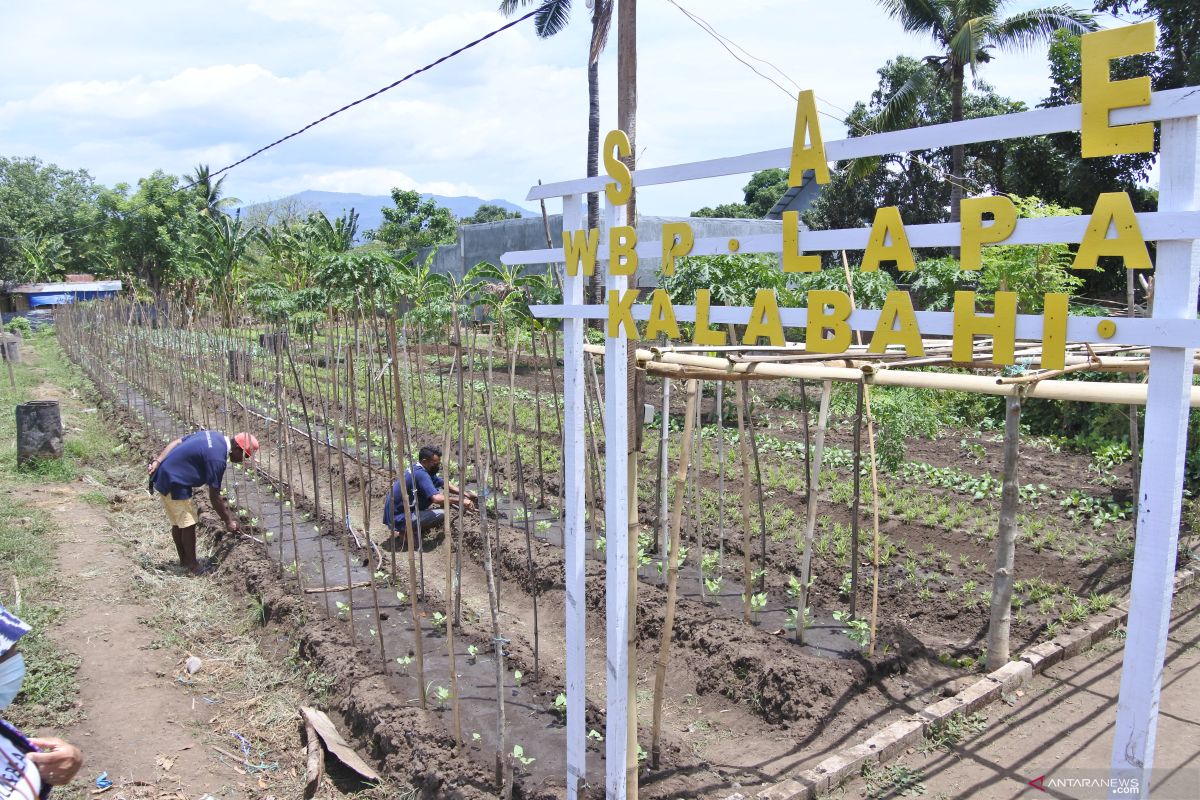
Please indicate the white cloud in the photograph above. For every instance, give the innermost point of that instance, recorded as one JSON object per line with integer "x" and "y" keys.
{"x": 129, "y": 90}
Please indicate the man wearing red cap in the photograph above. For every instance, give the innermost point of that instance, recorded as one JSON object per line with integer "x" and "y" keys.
{"x": 197, "y": 459}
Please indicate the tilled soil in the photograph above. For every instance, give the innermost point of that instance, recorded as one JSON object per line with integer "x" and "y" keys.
{"x": 744, "y": 703}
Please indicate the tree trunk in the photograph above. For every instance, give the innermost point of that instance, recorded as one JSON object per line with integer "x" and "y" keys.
{"x": 1135, "y": 443}
{"x": 595, "y": 288}
{"x": 627, "y": 89}
{"x": 1002, "y": 580}
{"x": 957, "y": 152}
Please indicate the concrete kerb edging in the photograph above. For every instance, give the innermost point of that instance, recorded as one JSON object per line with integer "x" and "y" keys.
{"x": 897, "y": 737}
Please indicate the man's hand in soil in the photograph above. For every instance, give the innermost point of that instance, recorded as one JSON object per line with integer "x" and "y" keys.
{"x": 222, "y": 509}
{"x": 58, "y": 762}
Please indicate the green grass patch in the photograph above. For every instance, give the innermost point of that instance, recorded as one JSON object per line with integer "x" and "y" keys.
{"x": 48, "y": 695}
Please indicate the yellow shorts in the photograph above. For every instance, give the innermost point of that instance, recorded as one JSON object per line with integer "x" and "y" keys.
{"x": 182, "y": 513}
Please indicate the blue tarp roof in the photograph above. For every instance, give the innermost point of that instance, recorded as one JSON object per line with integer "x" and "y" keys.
{"x": 64, "y": 298}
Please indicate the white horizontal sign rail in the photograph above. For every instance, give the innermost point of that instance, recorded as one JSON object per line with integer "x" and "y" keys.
{"x": 1155, "y": 226}
{"x": 1142, "y": 331}
{"x": 1170, "y": 104}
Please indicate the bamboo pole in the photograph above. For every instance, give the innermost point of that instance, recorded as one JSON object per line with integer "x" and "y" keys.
{"x": 874, "y": 519}
{"x": 814, "y": 488}
{"x": 664, "y": 647}
{"x": 405, "y": 463}
{"x": 533, "y": 591}
{"x": 1074, "y": 391}
{"x": 503, "y": 767}
{"x": 744, "y": 452}
{"x": 663, "y": 522}
{"x": 721, "y": 477}
{"x": 1000, "y": 619}
{"x": 855, "y": 512}
{"x": 454, "y": 701}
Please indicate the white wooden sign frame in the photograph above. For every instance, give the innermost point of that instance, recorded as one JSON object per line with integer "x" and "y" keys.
{"x": 1173, "y": 333}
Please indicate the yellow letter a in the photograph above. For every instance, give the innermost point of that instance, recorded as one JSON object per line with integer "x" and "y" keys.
{"x": 764, "y": 319}
{"x": 662, "y": 317}
{"x": 1114, "y": 210}
{"x": 888, "y": 223}
{"x": 810, "y": 156}
{"x": 897, "y": 325}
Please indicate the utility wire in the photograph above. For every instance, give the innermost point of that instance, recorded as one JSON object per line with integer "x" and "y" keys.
{"x": 729, "y": 45}
{"x": 307, "y": 127}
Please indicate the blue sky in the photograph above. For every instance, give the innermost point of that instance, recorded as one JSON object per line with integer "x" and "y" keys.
{"x": 123, "y": 88}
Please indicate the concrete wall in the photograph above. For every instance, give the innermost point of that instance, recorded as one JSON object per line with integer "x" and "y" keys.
{"x": 487, "y": 241}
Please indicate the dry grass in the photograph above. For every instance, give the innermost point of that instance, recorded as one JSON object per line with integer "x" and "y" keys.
{"x": 250, "y": 690}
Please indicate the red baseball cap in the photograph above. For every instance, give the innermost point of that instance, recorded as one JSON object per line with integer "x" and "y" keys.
{"x": 247, "y": 442}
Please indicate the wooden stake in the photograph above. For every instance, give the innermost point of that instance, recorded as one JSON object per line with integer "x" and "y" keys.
{"x": 1002, "y": 579}
{"x": 744, "y": 452}
{"x": 814, "y": 489}
{"x": 671, "y": 556}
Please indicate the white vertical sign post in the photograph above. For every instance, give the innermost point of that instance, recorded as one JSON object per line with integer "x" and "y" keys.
{"x": 574, "y": 530}
{"x": 1176, "y": 285}
{"x": 616, "y": 526}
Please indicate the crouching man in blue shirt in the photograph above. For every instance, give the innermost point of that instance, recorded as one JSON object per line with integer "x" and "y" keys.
{"x": 197, "y": 459}
{"x": 426, "y": 501}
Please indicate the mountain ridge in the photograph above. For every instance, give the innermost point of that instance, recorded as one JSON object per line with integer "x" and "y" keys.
{"x": 370, "y": 207}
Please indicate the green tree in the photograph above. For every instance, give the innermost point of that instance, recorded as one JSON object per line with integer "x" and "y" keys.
{"x": 550, "y": 19}
{"x": 1177, "y": 62}
{"x": 758, "y": 197}
{"x": 489, "y": 212}
{"x": 210, "y": 194}
{"x": 146, "y": 233}
{"x": 967, "y": 32}
{"x": 46, "y": 214}
{"x": 413, "y": 223}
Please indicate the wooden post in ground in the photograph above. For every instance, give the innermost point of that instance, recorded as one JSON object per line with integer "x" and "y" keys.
{"x": 574, "y": 528}
{"x": 744, "y": 452}
{"x": 617, "y": 555}
{"x": 672, "y": 570}
{"x": 814, "y": 489}
{"x": 1002, "y": 579}
{"x": 1177, "y": 275}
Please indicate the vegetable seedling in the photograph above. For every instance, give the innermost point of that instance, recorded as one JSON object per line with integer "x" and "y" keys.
{"x": 758, "y": 602}
{"x": 518, "y": 753}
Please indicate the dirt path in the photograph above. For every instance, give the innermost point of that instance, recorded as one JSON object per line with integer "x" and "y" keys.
{"x": 139, "y": 727}
{"x": 1061, "y": 726}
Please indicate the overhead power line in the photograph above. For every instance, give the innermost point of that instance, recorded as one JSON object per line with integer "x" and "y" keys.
{"x": 309, "y": 126}
{"x": 731, "y": 45}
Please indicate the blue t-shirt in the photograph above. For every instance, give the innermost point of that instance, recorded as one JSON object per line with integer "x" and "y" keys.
{"x": 198, "y": 460}
{"x": 426, "y": 487}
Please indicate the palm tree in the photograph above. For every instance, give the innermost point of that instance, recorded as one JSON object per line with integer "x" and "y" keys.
{"x": 549, "y": 20}
{"x": 967, "y": 31}
{"x": 212, "y": 202}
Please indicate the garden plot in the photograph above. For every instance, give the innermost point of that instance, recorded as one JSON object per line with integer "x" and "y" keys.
{"x": 744, "y": 701}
